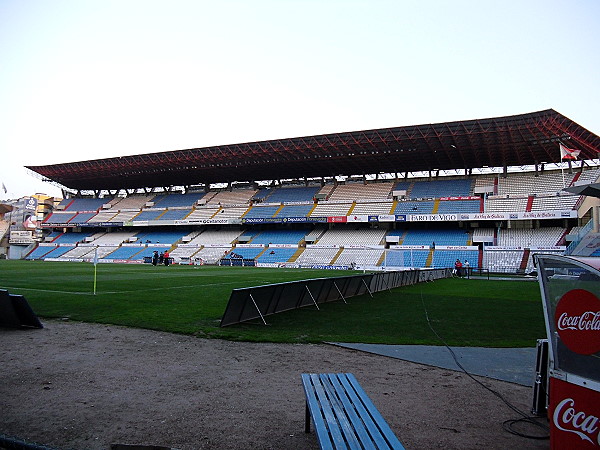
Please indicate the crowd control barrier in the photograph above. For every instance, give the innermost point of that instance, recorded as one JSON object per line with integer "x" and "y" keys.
{"x": 260, "y": 301}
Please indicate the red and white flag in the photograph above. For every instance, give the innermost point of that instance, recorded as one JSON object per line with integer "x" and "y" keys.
{"x": 568, "y": 153}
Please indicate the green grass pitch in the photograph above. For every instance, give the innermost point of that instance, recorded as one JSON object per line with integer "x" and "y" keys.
{"x": 192, "y": 299}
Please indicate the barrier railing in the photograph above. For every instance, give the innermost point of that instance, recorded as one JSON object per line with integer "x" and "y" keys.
{"x": 260, "y": 301}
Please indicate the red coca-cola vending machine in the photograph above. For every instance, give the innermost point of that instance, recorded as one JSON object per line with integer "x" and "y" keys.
{"x": 570, "y": 289}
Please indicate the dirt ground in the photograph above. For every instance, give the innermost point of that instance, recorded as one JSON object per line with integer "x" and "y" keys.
{"x": 87, "y": 386}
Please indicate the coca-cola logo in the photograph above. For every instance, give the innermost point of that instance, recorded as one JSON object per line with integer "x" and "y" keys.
{"x": 567, "y": 418}
{"x": 577, "y": 320}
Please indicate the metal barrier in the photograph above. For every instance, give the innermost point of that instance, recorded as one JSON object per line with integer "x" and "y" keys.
{"x": 260, "y": 301}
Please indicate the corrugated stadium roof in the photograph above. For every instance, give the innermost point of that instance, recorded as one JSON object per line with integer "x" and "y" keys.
{"x": 496, "y": 142}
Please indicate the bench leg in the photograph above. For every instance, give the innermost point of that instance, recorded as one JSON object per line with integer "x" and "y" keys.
{"x": 306, "y": 419}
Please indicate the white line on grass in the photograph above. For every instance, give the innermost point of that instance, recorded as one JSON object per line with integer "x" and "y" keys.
{"x": 119, "y": 292}
{"x": 47, "y": 290}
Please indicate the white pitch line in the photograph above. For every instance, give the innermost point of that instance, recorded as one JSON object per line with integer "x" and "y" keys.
{"x": 118, "y": 292}
{"x": 47, "y": 290}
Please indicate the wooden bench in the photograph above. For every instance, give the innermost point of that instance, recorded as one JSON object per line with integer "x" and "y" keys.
{"x": 343, "y": 415}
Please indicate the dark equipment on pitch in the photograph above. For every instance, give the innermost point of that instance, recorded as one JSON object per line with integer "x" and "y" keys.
{"x": 15, "y": 312}
{"x": 540, "y": 386}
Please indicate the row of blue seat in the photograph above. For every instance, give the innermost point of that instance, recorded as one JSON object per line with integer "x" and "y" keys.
{"x": 135, "y": 253}
{"x": 265, "y": 237}
{"x": 288, "y": 194}
{"x": 160, "y": 201}
{"x": 406, "y": 207}
{"x": 417, "y": 189}
{"x": 154, "y": 236}
{"x": 406, "y": 258}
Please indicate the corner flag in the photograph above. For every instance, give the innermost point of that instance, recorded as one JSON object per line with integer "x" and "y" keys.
{"x": 95, "y": 267}
{"x": 568, "y": 154}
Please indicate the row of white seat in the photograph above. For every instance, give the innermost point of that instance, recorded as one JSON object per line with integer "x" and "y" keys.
{"x": 508, "y": 261}
{"x": 521, "y": 237}
{"x": 360, "y": 191}
{"x": 503, "y": 204}
{"x": 527, "y": 183}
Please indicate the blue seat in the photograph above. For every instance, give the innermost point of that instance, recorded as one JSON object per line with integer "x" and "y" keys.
{"x": 279, "y": 237}
{"x": 292, "y": 194}
{"x": 277, "y": 255}
{"x": 149, "y": 214}
{"x": 295, "y": 211}
{"x": 84, "y": 204}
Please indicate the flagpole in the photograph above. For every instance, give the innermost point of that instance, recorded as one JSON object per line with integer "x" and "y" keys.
{"x": 562, "y": 166}
{"x": 570, "y": 154}
{"x": 95, "y": 267}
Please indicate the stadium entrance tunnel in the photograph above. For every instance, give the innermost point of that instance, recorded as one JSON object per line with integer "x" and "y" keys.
{"x": 260, "y": 301}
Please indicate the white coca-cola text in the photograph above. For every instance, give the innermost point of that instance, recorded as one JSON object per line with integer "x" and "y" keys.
{"x": 567, "y": 418}
{"x": 589, "y": 320}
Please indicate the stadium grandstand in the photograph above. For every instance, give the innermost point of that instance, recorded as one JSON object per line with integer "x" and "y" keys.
{"x": 489, "y": 191}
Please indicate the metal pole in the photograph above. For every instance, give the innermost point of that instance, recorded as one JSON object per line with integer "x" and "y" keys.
{"x": 368, "y": 290}
{"x": 340, "y": 292}
{"x": 387, "y": 285}
{"x": 311, "y": 296}
{"x": 256, "y": 306}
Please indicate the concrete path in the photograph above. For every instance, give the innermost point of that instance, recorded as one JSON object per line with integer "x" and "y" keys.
{"x": 516, "y": 365}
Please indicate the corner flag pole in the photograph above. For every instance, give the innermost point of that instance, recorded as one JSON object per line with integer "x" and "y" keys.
{"x": 95, "y": 267}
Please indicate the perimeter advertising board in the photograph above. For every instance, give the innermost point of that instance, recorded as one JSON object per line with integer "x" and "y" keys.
{"x": 21, "y": 237}
{"x": 574, "y": 416}
{"x": 570, "y": 290}
{"x": 29, "y": 216}
{"x": 362, "y": 218}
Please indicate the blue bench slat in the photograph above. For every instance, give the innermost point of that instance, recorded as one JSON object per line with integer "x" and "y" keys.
{"x": 329, "y": 416}
{"x": 382, "y": 425}
{"x": 343, "y": 414}
{"x": 358, "y": 425}
{"x": 365, "y": 412}
{"x": 318, "y": 420}
{"x": 343, "y": 419}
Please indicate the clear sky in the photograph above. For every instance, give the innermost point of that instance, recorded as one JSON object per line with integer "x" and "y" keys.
{"x": 87, "y": 79}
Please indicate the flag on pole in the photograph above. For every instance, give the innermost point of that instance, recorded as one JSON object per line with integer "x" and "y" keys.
{"x": 568, "y": 154}
{"x": 95, "y": 268}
